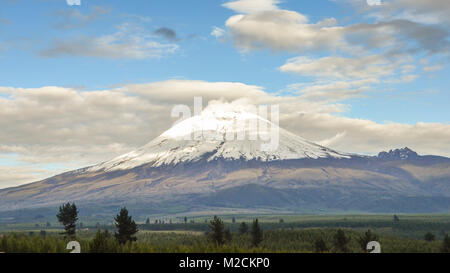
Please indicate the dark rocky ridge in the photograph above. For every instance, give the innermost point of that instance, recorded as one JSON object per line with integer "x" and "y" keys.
{"x": 395, "y": 181}
{"x": 398, "y": 154}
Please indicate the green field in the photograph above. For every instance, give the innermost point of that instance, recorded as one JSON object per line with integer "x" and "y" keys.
{"x": 282, "y": 233}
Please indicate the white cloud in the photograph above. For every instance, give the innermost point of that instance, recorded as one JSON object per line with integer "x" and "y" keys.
{"x": 339, "y": 137}
{"x": 283, "y": 30}
{"x": 217, "y": 32}
{"x": 378, "y": 52}
{"x": 72, "y": 18}
{"x": 373, "y": 66}
{"x": 371, "y": 137}
{"x": 343, "y": 78}
{"x": 371, "y": 49}
{"x": 433, "y": 68}
{"x": 11, "y": 176}
{"x": 183, "y": 91}
{"x": 252, "y": 6}
{"x": 129, "y": 42}
{"x": 422, "y": 11}
{"x": 332, "y": 91}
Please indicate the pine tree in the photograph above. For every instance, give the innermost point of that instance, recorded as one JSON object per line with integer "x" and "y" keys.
{"x": 243, "y": 228}
{"x": 366, "y": 238}
{"x": 257, "y": 234}
{"x": 228, "y": 236}
{"x": 217, "y": 231}
{"x": 126, "y": 227}
{"x": 68, "y": 216}
{"x": 320, "y": 246}
{"x": 429, "y": 237}
{"x": 4, "y": 244}
{"x": 446, "y": 244}
{"x": 233, "y": 220}
{"x": 147, "y": 222}
{"x": 100, "y": 242}
{"x": 341, "y": 241}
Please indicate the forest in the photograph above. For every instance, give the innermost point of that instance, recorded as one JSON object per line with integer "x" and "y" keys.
{"x": 231, "y": 234}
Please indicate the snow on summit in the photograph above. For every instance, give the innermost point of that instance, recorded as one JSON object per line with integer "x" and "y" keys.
{"x": 220, "y": 133}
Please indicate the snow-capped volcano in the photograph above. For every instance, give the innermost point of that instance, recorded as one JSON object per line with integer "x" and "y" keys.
{"x": 219, "y": 160}
{"x": 220, "y": 134}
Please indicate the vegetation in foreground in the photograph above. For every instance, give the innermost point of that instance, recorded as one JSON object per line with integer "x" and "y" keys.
{"x": 284, "y": 241}
{"x": 218, "y": 235}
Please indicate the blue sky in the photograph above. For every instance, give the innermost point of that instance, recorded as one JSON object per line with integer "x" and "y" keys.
{"x": 200, "y": 55}
{"x": 385, "y": 65}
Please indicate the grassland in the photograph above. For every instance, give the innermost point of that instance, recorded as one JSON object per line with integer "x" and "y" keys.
{"x": 282, "y": 233}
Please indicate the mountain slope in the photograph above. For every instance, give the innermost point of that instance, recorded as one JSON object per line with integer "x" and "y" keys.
{"x": 221, "y": 172}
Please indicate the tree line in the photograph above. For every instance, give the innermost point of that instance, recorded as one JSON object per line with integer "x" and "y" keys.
{"x": 127, "y": 228}
{"x": 219, "y": 238}
{"x": 220, "y": 235}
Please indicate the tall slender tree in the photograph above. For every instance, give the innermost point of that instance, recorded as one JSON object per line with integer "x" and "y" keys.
{"x": 366, "y": 238}
{"x": 68, "y": 216}
{"x": 257, "y": 233}
{"x": 446, "y": 244}
{"x": 243, "y": 228}
{"x": 320, "y": 246}
{"x": 341, "y": 241}
{"x": 429, "y": 237}
{"x": 228, "y": 236}
{"x": 100, "y": 242}
{"x": 217, "y": 230}
{"x": 126, "y": 227}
